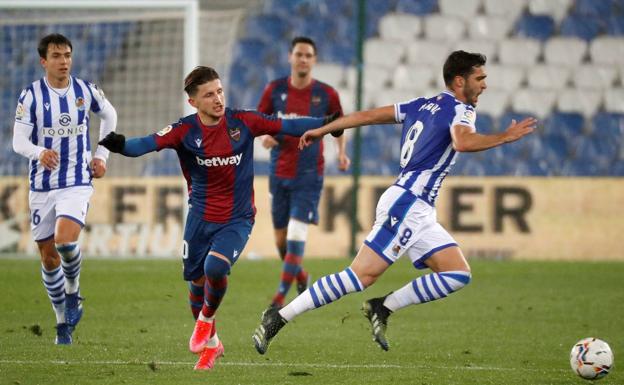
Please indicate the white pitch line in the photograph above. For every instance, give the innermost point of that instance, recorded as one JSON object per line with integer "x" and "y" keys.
{"x": 279, "y": 364}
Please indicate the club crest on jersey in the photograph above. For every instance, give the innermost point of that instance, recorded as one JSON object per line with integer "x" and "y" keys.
{"x": 234, "y": 133}
{"x": 165, "y": 130}
{"x": 316, "y": 100}
{"x": 80, "y": 105}
{"x": 198, "y": 142}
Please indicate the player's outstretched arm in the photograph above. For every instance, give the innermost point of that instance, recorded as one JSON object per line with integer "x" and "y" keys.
{"x": 132, "y": 147}
{"x": 466, "y": 140}
{"x": 381, "y": 115}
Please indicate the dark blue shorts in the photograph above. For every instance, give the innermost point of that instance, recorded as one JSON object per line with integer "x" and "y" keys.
{"x": 295, "y": 198}
{"x": 201, "y": 237}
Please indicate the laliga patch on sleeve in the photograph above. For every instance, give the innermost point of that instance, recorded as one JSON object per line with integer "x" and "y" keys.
{"x": 165, "y": 130}
{"x": 99, "y": 90}
{"x": 468, "y": 117}
{"x": 19, "y": 112}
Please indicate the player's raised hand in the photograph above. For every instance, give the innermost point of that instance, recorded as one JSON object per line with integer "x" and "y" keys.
{"x": 49, "y": 159}
{"x": 517, "y": 130}
{"x": 309, "y": 137}
{"x": 98, "y": 168}
{"x": 114, "y": 142}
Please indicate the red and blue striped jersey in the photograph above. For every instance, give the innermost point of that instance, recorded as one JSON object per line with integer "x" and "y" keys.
{"x": 316, "y": 100}
{"x": 217, "y": 161}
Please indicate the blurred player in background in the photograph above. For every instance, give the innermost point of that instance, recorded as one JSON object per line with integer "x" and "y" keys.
{"x": 52, "y": 130}
{"x": 215, "y": 149}
{"x": 296, "y": 176}
{"x": 434, "y": 130}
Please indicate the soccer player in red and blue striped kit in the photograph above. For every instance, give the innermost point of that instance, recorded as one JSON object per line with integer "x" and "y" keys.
{"x": 215, "y": 149}
{"x": 296, "y": 176}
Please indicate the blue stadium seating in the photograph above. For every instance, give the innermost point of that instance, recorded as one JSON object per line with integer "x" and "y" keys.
{"x": 615, "y": 25}
{"x": 605, "y": 146}
{"x": 617, "y": 168}
{"x": 556, "y": 146}
{"x": 596, "y": 8}
{"x": 582, "y": 167}
{"x": 468, "y": 165}
{"x": 566, "y": 124}
{"x": 581, "y": 26}
{"x": 485, "y": 123}
{"x": 268, "y": 28}
{"x": 423, "y": 7}
{"x": 539, "y": 27}
{"x": 609, "y": 125}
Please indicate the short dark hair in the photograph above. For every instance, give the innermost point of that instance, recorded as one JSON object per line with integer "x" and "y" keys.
{"x": 304, "y": 40}
{"x": 198, "y": 76}
{"x": 55, "y": 39}
{"x": 461, "y": 63}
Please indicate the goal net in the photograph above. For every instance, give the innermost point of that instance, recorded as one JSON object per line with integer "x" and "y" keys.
{"x": 138, "y": 55}
{"x": 138, "y": 52}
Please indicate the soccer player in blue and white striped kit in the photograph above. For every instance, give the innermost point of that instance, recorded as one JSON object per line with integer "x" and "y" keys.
{"x": 434, "y": 130}
{"x": 52, "y": 130}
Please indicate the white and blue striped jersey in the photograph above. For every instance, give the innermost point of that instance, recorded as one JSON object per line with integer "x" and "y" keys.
{"x": 60, "y": 121}
{"x": 427, "y": 152}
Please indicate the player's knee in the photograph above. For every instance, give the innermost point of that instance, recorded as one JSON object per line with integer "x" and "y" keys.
{"x": 456, "y": 279}
{"x": 297, "y": 230}
{"x": 49, "y": 256}
{"x": 67, "y": 250}
{"x": 215, "y": 267}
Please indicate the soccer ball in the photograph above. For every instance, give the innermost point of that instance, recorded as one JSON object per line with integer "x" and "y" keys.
{"x": 591, "y": 358}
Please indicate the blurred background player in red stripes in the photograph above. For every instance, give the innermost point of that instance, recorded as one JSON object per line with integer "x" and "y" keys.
{"x": 296, "y": 177}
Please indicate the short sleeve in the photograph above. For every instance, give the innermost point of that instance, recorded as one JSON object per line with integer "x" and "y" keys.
{"x": 25, "y": 111}
{"x": 401, "y": 109}
{"x": 465, "y": 116}
{"x": 334, "y": 103}
{"x": 266, "y": 105}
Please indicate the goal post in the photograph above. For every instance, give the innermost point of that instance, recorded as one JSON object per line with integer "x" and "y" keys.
{"x": 138, "y": 52}
{"x": 190, "y": 8}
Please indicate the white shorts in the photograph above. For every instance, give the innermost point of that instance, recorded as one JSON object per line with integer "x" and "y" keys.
{"x": 405, "y": 224}
{"x": 47, "y": 206}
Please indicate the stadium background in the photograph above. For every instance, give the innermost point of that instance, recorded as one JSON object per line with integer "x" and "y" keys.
{"x": 557, "y": 194}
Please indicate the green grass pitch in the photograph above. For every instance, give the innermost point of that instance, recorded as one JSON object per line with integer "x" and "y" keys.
{"x": 514, "y": 324}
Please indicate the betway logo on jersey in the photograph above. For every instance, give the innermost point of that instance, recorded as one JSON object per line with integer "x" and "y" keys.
{"x": 216, "y": 161}
{"x": 290, "y": 115}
